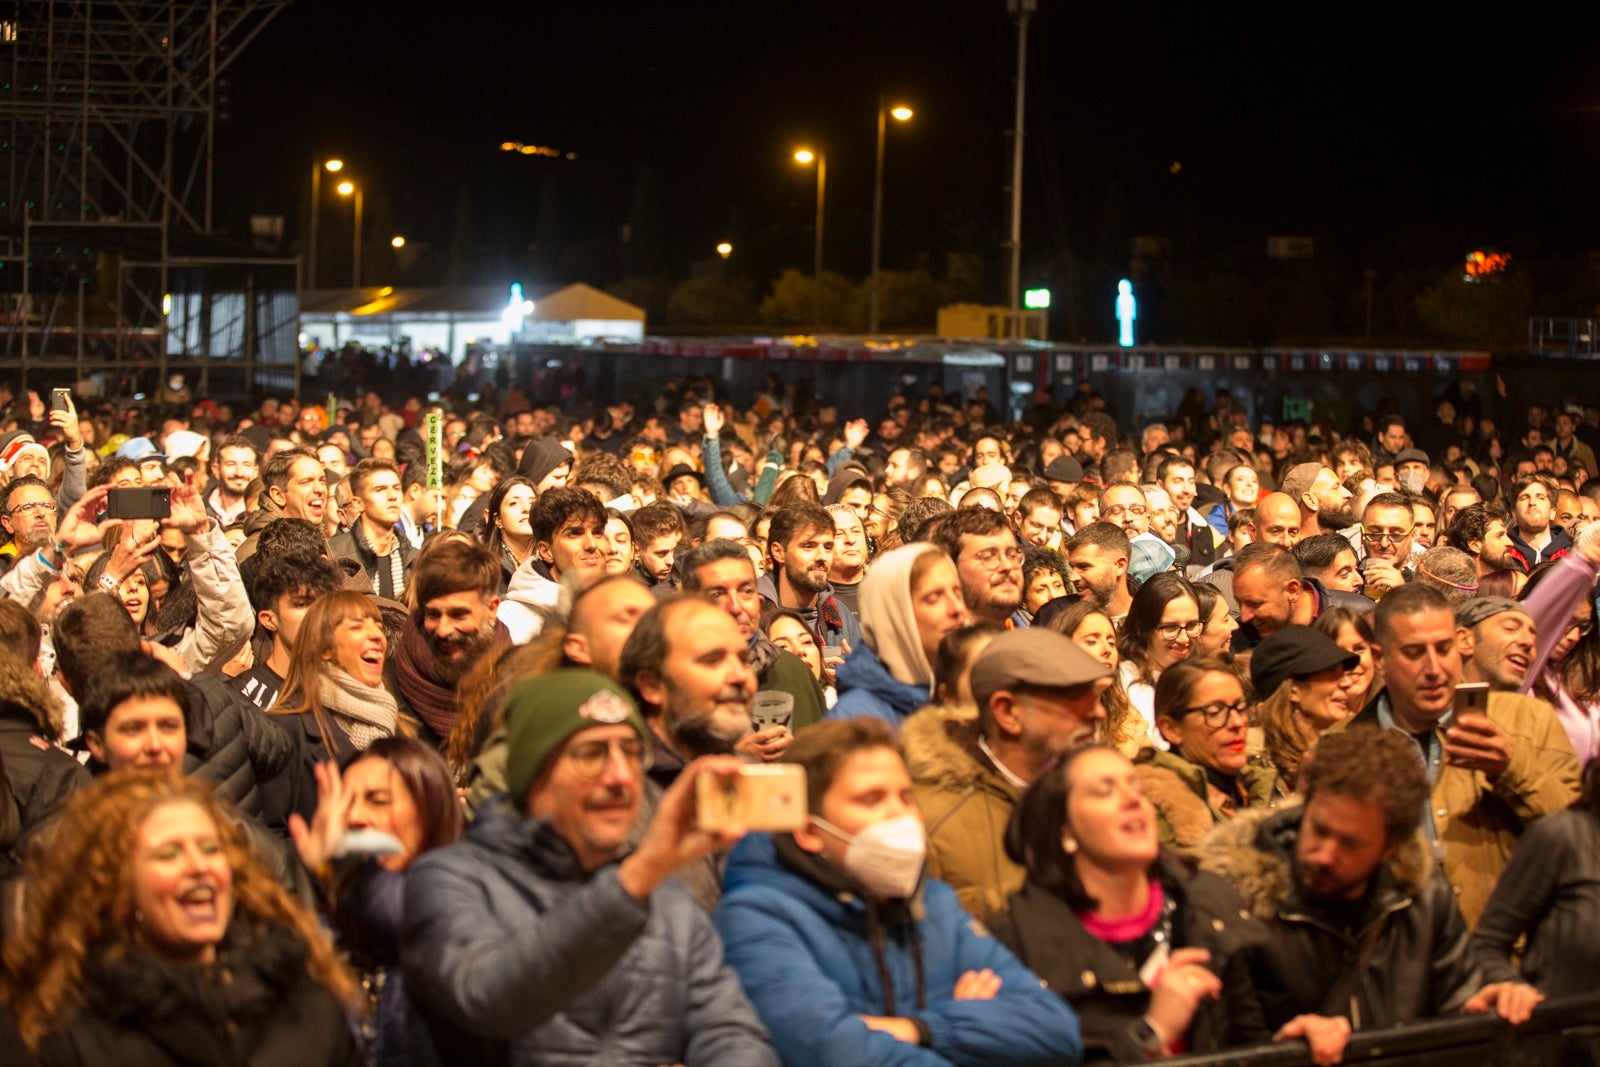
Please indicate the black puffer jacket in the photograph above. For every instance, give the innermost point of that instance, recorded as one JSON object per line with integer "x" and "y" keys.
{"x": 1105, "y": 989}
{"x": 257, "y": 1006}
{"x": 233, "y": 743}
{"x": 1419, "y": 965}
{"x": 41, "y": 775}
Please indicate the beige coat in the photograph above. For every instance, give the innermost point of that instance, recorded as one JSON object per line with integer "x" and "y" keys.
{"x": 966, "y": 804}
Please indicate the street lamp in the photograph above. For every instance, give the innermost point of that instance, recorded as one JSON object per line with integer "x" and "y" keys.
{"x": 804, "y": 156}
{"x": 899, "y": 113}
{"x": 349, "y": 188}
{"x": 724, "y": 249}
{"x": 397, "y": 241}
{"x": 332, "y": 166}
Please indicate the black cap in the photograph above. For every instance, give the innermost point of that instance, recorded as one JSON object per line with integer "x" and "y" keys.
{"x": 1064, "y": 469}
{"x": 1294, "y": 652}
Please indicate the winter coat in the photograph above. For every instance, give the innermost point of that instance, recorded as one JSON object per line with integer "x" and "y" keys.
{"x": 1186, "y": 807}
{"x": 814, "y": 955}
{"x": 295, "y": 789}
{"x": 966, "y": 804}
{"x": 1419, "y": 964}
{"x": 42, "y": 776}
{"x": 232, "y": 743}
{"x": 867, "y": 688}
{"x": 1104, "y": 987}
{"x": 224, "y": 618}
{"x": 1550, "y": 891}
{"x": 507, "y": 941}
{"x": 1478, "y": 821}
{"x": 255, "y": 1007}
{"x": 1527, "y": 557}
{"x": 835, "y": 624}
{"x": 532, "y": 597}
{"x": 353, "y": 545}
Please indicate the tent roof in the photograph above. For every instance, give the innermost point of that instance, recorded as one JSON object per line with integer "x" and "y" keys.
{"x": 577, "y": 301}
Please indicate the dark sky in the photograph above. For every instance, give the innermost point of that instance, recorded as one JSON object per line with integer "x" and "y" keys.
{"x": 1390, "y": 136}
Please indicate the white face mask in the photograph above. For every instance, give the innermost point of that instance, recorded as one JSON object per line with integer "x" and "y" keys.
{"x": 886, "y": 857}
{"x": 1412, "y": 481}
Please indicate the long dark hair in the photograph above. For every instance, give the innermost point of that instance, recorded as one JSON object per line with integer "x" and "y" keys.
{"x": 433, "y": 790}
{"x": 1037, "y": 826}
{"x": 1144, "y": 615}
{"x": 493, "y": 537}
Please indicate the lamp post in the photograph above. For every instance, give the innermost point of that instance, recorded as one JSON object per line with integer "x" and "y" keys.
{"x": 803, "y": 156}
{"x": 900, "y": 114}
{"x": 348, "y": 188}
{"x": 332, "y": 166}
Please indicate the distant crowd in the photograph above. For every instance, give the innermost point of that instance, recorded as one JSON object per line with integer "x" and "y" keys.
{"x": 1118, "y": 741}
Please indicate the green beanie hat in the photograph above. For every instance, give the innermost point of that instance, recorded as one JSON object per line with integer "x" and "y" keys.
{"x": 543, "y": 711}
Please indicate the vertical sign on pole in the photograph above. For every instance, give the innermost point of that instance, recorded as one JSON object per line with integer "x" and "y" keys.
{"x": 435, "y": 461}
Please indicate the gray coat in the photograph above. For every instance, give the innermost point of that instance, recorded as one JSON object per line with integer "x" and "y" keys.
{"x": 508, "y": 946}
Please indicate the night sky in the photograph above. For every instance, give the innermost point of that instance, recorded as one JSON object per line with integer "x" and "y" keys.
{"x": 1395, "y": 139}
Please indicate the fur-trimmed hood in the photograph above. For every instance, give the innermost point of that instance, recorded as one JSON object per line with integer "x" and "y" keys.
{"x": 1182, "y": 799}
{"x": 25, "y": 696}
{"x": 941, "y": 746}
{"x": 1255, "y": 852}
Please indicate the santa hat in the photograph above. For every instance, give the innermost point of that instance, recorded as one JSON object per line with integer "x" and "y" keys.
{"x": 14, "y": 444}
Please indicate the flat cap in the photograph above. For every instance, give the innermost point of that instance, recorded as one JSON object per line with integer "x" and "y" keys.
{"x": 1033, "y": 657}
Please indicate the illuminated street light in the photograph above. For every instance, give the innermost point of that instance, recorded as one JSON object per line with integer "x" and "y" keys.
{"x": 805, "y": 156}
{"x": 724, "y": 250}
{"x": 397, "y": 241}
{"x": 900, "y": 113}
{"x": 332, "y": 166}
{"x": 349, "y": 188}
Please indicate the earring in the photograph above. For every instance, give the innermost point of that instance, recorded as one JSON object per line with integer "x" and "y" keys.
{"x": 1069, "y": 845}
{"x": 138, "y": 917}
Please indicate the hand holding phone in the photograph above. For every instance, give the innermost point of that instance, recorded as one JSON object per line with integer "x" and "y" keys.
{"x": 1472, "y": 740}
{"x": 760, "y": 798}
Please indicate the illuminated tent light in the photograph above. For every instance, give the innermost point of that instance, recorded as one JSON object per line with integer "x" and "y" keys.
{"x": 1482, "y": 264}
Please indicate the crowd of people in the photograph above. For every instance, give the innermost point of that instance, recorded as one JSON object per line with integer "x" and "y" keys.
{"x": 1119, "y": 741}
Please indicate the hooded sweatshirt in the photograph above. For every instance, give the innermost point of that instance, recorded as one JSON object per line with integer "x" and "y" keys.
{"x": 540, "y": 457}
{"x": 887, "y": 675}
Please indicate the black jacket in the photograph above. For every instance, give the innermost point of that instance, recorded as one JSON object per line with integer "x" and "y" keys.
{"x": 233, "y": 743}
{"x": 40, "y": 775}
{"x": 295, "y": 789}
{"x": 256, "y": 1006}
{"x": 1105, "y": 990}
{"x": 1419, "y": 964}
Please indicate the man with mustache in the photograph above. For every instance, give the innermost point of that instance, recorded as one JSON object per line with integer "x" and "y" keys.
{"x": 688, "y": 666}
{"x": 454, "y": 626}
{"x": 800, "y": 543}
{"x": 984, "y": 548}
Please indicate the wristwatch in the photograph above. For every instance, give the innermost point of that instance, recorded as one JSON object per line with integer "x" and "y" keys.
{"x": 1145, "y": 1038}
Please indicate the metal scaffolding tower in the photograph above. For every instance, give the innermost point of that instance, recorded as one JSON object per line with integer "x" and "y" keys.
{"x": 108, "y": 257}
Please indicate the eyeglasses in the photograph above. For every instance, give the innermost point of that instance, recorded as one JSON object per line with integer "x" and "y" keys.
{"x": 1584, "y": 628}
{"x": 989, "y": 558}
{"x": 1125, "y": 509}
{"x": 591, "y": 758}
{"x": 1216, "y": 713}
{"x": 33, "y": 508}
{"x": 1173, "y": 630}
{"x": 1384, "y": 537}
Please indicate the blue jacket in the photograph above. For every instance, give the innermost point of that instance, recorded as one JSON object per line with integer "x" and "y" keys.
{"x": 812, "y": 960}
{"x": 867, "y": 688}
{"x": 508, "y": 942}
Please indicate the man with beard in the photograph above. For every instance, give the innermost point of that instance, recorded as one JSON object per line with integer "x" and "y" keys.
{"x": 1126, "y": 506}
{"x": 1534, "y": 537}
{"x": 800, "y": 543}
{"x": 721, "y": 571}
{"x": 905, "y": 470}
{"x": 1365, "y": 932}
{"x": 1098, "y": 555}
{"x": 1176, "y": 476}
{"x": 233, "y": 468}
{"x": 689, "y": 667}
{"x": 984, "y": 548}
{"x": 453, "y": 627}
{"x": 1479, "y": 530}
{"x": 28, "y": 515}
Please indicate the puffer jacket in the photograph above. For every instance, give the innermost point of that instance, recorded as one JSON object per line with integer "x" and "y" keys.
{"x": 233, "y": 743}
{"x": 1186, "y": 809}
{"x": 1419, "y": 965}
{"x": 815, "y": 953}
{"x": 1104, "y": 987}
{"x": 1478, "y": 821}
{"x": 966, "y": 804}
{"x": 256, "y": 1005}
{"x": 867, "y": 688}
{"x": 41, "y": 776}
{"x": 508, "y": 942}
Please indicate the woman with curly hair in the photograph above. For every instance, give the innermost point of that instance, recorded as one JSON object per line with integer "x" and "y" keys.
{"x": 151, "y": 935}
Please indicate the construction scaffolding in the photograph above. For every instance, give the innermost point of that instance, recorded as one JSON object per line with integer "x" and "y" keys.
{"x": 109, "y": 263}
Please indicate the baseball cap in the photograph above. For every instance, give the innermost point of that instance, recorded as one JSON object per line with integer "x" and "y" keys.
{"x": 1294, "y": 652}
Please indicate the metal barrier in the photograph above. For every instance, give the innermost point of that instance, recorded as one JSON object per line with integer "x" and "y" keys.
{"x": 1564, "y": 1032}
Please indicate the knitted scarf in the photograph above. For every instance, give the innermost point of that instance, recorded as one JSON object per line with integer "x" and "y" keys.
{"x": 432, "y": 698}
{"x": 365, "y": 713}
